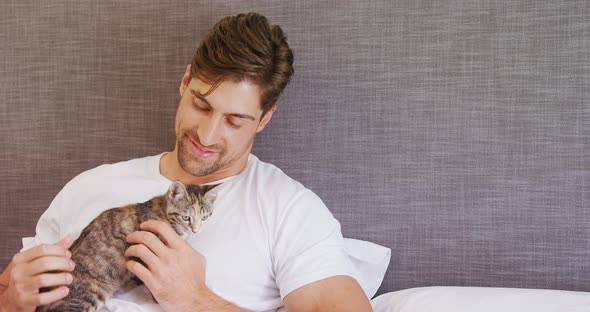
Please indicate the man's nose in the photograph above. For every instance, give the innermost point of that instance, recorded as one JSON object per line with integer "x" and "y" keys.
{"x": 210, "y": 131}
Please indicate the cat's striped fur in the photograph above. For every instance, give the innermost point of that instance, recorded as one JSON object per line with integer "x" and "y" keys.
{"x": 99, "y": 251}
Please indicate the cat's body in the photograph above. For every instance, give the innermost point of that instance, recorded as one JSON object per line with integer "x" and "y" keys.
{"x": 99, "y": 251}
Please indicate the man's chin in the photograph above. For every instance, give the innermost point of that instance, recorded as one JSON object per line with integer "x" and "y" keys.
{"x": 199, "y": 172}
{"x": 196, "y": 167}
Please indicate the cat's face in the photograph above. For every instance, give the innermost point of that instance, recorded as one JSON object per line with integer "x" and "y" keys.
{"x": 188, "y": 207}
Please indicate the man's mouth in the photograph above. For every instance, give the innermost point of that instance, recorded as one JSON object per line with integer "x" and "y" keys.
{"x": 199, "y": 151}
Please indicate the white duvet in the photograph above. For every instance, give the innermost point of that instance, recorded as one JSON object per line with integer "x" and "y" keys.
{"x": 481, "y": 299}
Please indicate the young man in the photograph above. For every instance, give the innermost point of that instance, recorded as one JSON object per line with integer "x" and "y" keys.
{"x": 270, "y": 242}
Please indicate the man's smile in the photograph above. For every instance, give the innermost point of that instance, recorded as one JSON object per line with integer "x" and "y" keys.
{"x": 199, "y": 151}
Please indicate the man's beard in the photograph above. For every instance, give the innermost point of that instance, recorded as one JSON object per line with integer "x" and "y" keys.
{"x": 195, "y": 166}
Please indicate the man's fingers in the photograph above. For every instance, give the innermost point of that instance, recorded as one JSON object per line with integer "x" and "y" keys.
{"x": 149, "y": 240}
{"x": 166, "y": 233}
{"x": 143, "y": 253}
{"x": 41, "y": 251}
{"x": 140, "y": 271}
{"x": 50, "y": 263}
{"x": 48, "y": 297}
{"x": 52, "y": 280}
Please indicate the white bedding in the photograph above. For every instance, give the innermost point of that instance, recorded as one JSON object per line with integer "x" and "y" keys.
{"x": 480, "y": 299}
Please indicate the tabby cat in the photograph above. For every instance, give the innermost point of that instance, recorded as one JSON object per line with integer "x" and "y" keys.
{"x": 99, "y": 251}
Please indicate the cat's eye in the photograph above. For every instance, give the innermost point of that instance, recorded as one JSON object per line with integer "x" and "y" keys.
{"x": 186, "y": 218}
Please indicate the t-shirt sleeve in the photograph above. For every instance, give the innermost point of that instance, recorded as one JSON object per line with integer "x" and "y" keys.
{"x": 93, "y": 191}
{"x": 63, "y": 212}
{"x": 308, "y": 244}
{"x": 47, "y": 230}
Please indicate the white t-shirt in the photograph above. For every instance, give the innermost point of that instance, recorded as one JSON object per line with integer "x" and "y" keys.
{"x": 268, "y": 234}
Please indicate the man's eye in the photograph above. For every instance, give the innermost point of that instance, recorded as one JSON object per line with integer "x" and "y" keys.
{"x": 200, "y": 107}
{"x": 232, "y": 124}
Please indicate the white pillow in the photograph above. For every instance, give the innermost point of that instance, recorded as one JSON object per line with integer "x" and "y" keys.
{"x": 481, "y": 299}
{"x": 370, "y": 261}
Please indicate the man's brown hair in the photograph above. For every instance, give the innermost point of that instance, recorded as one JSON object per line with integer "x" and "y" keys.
{"x": 245, "y": 47}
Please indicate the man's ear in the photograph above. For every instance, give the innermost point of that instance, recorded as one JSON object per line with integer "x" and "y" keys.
{"x": 266, "y": 118}
{"x": 185, "y": 79}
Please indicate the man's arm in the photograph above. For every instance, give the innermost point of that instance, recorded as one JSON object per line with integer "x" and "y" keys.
{"x": 336, "y": 293}
{"x": 332, "y": 294}
{"x": 5, "y": 277}
{"x": 171, "y": 261}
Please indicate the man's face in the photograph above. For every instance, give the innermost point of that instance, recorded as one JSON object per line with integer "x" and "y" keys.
{"x": 215, "y": 133}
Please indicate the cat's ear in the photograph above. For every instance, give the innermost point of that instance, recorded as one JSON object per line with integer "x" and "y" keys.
{"x": 209, "y": 197}
{"x": 207, "y": 188}
{"x": 176, "y": 191}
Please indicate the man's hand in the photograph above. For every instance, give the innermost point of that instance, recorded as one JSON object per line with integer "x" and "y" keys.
{"x": 175, "y": 272}
{"x": 39, "y": 267}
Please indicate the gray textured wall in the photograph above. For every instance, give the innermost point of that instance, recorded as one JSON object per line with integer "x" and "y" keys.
{"x": 456, "y": 133}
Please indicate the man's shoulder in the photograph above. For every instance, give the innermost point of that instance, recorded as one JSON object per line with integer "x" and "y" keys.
{"x": 136, "y": 166}
{"x": 101, "y": 188}
{"x": 278, "y": 189}
{"x": 131, "y": 170}
{"x": 268, "y": 175}
{"x": 114, "y": 184}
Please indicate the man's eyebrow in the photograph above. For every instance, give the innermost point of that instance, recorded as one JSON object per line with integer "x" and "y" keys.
{"x": 198, "y": 95}
{"x": 243, "y": 116}
{"x": 237, "y": 115}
